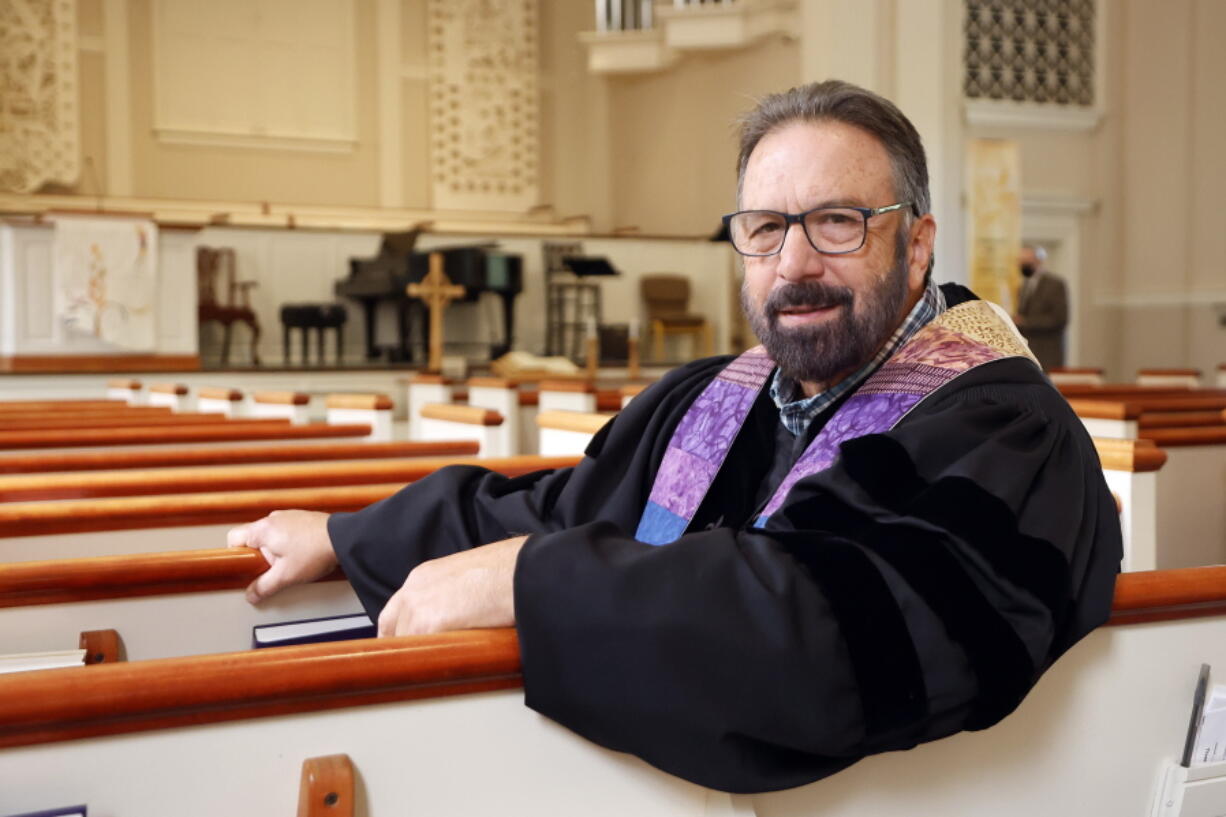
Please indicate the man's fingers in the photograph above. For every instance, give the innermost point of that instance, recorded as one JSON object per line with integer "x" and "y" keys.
{"x": 238, "y": 537}
{"x": 389, "y": 616}
{"x": 266, "y": 584}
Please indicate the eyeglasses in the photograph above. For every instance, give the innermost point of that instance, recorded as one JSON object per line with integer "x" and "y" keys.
{"x": 830, "y": 230}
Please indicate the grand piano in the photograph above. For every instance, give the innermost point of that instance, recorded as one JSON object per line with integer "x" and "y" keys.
{"x": 477, "y": 268}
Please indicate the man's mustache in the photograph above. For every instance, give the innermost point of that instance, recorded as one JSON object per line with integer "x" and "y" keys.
{"x": 814, "y": 294}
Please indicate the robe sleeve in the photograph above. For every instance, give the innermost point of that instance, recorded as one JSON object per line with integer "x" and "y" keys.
{"x": 460, "y": 507}
{"x": 918, "y": 587}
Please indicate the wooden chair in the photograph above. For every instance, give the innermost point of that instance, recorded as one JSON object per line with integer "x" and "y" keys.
{"x": 211, "y": 264}
{"x": 666, "y": 299}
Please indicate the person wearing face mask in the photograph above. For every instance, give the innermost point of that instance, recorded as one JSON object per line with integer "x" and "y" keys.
{"x": 1042, "y": 308}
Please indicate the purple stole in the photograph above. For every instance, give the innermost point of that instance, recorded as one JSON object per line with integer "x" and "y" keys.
{"x": 960, "y": 339}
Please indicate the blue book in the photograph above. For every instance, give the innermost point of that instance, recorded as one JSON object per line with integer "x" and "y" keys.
{"x": 313, "y": 631}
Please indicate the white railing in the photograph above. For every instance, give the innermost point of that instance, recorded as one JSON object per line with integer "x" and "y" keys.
{"x": 623, "y": 15}
{"x": 636, "y": 15}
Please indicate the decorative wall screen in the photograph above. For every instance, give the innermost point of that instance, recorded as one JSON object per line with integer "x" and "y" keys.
{"x": 39, "y": 128}
{"x": 1030, "y": 51}
{"x": 485, "y": 143}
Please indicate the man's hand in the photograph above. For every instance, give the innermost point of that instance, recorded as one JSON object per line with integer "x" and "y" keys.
{"x": 296, "y": 545}
{"x": 469, "y": 589}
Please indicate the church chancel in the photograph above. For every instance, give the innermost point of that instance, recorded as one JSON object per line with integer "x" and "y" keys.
{"x": 868, "y": 566}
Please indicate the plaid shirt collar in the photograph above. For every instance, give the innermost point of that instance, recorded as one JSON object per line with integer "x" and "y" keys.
{"x": 796, "y": 414}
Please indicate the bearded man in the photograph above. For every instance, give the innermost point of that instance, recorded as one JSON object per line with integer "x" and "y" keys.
{"x": 877, "y": 530}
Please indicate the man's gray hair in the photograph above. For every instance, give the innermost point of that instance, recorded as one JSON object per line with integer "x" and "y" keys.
{"x": 838, "y": 101}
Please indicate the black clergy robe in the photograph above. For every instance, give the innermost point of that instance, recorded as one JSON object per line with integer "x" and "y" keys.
{"x": 916, "y": 588}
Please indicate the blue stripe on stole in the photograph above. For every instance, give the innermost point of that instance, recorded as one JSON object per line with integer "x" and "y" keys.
{"x": 659, "y": 525}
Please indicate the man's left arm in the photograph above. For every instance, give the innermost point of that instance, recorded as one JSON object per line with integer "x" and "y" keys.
{"x": 466, "y": 590}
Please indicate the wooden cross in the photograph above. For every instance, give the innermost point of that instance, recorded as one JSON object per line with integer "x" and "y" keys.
{"x": 437, "y": 291}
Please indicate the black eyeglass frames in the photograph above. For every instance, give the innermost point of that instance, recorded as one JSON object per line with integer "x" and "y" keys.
{"x": 830, "y": 230}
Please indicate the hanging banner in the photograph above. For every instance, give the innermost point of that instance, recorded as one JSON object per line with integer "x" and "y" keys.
{"x": 995, "y": 204}
{"x": 106, "y": 279}
{"x": 484, "y": 114}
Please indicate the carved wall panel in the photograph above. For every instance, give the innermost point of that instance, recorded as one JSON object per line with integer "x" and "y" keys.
{"x": 1035, "y": 51}
{"x": 39, "y": 126}
{"x": 484, "y": 148}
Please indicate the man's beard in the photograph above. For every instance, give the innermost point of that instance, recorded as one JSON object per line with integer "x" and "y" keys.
{"x": 817, "y": 354}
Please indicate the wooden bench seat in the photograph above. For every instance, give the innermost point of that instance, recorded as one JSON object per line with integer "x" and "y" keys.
{"x": 117, "y": 410}
{"x": 407, "y": 706}
{"x": 146, "y": 598}
{"x": 1185, "y": 437}
{"x": 1169, "y": 377}
{"x": 60, "y": 405}
{"x": 141, "y": 524}
{"x": 1124, "y": 417}
{"x": 568, "y": 432}
{"x": 121, "y": 421}
{"x": 1178, "y": 419}
{"x": 229, "y": 455}
{"x": 449, "y": 421}
{"x": 261, "y": 431}
{"x": 1115, "y": 391}
{"x": 136, "y": 482}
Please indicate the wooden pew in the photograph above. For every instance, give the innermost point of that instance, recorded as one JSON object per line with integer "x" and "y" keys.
{"x": 141, "y": 439}
{"x": 135, "y": 584}
{"x": 162, "y": 605}
{"x": 292, "y": 405}
{"x": 408, "y": 707}
{"x": 452, "y": 421}
{"x": 68, "y": 420}
{"x": 103, "y": 460}
{"x": 1191, "y": 429}
{"x": 1190, "y": 495}
{"x": 1081, "y": 375}
{"x": 51, "y": 408}
{"x": 1117, "y": 391}
{"x": 1124, "y": 418}
{"x": 190, "y": 480}
{"x": 1169, "y": 377}
{"x": 142, "y": 524}
{"x": 176, "y": 395}
{"x": 1132, "y": 471}
{"x": 515, "y": 404}
{"x": 374, "y": 410}
{"x": 567, "y": 432}
{"x": 221, "y": 400}
{"x": 126, "y": 389}
{"x": 517, "y": 399}
{"x": 520, "y": 401}
{"x": 425, "y": 388}
{"x": 578, "y": 395}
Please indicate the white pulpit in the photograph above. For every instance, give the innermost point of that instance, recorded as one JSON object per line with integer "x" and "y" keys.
{"x": 82, "y": 304}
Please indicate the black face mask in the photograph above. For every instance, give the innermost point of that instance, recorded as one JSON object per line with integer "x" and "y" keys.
{"x": 1027, "y": 270}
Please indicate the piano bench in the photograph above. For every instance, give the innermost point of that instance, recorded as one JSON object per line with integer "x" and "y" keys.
{"x": 319, "y": 317}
